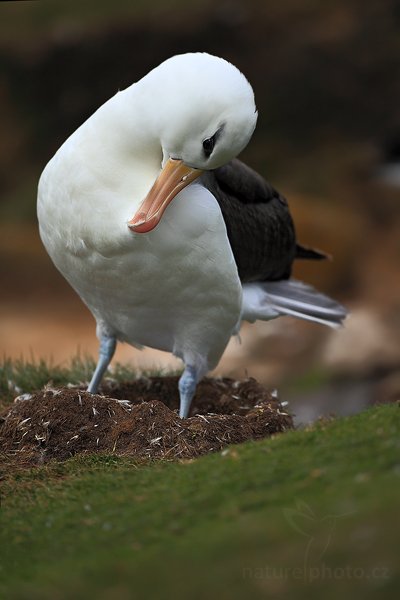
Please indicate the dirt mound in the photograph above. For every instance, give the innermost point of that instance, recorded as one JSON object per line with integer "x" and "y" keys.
{"x": 140, "y": 419}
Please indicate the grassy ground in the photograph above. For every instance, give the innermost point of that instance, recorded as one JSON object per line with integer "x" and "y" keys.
{"x": 22, "y": 376}
{"x": 307, "y": 514}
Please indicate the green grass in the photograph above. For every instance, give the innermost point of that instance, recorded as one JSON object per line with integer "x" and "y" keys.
{"x": 306, "y": 514}
{"x": 24, "y": 376}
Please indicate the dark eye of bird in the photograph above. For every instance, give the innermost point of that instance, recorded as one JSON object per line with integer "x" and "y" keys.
{"x": 208, "y": 145}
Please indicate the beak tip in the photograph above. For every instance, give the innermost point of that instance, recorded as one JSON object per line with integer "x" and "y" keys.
{"x": 141, "y": 225}
{"x": 137, "y": 221}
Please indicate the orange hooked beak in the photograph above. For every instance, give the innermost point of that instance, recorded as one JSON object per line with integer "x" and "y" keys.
{"x": 173, "y": 178}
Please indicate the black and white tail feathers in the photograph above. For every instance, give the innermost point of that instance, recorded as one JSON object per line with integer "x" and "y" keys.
{"x": 271, "y": 299}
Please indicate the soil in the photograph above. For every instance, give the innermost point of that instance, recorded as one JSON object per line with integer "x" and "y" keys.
{"x": 138, "y": 419}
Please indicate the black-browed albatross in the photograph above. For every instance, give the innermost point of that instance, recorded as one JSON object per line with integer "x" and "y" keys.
{"x": 210, "y": 242}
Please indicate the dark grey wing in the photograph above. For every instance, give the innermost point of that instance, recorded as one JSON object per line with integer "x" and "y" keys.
{"x": 259, "y": 226}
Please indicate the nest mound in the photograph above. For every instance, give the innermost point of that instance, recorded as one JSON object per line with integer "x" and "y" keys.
{"x": 138, "y": 419}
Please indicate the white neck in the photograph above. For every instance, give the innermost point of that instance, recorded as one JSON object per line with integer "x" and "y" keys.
{"x": 125, "y": 152}
{"x": 102, "y": 173}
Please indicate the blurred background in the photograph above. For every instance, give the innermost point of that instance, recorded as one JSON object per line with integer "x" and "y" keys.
{"x": 326, "y": 76}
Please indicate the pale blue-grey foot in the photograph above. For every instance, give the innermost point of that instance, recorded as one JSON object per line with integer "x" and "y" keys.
{"x": 106, "y": 352}
{"x": 187, "y": 387}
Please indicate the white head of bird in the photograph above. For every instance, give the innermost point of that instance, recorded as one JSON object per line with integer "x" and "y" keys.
{"x": 206, "y": 117}
{"x": 204, "y": 99}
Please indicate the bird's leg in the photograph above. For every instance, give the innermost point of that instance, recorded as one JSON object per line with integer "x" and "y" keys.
{"x": 106, "y": 352}
{"x": 187, "y": 388}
